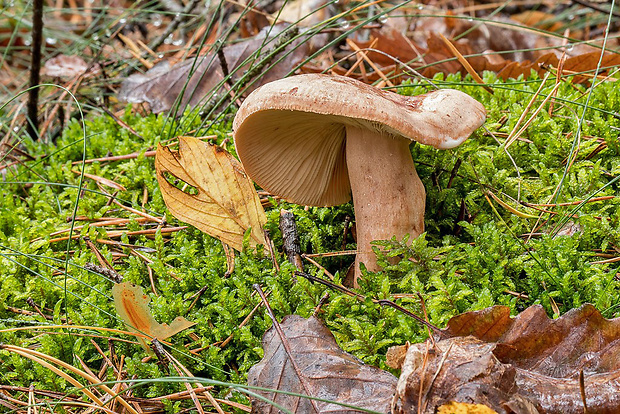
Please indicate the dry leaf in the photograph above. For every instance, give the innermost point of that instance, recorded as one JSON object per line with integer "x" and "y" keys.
{"x": 161, "y": 85}
{"x": 464, "y": 408}
{"x": 327, "y": 371}
{"x": 226, "y": 204}
{"x": 65, "y": 66}
{"x": 132, "y": 305}
{"x": 525, "y": 364}
{"x": 459, "y": 369}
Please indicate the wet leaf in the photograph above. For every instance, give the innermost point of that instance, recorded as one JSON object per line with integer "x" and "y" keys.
{"x": 326, "y": 372}
{"x": 202, "y": 78}
{"x": 224, "y": 204}
{"x": 132, "y": 306}
{"x": 525, "y": 364}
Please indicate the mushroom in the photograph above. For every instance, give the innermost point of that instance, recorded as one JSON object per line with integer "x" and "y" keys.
{"x": 316, "y": 139}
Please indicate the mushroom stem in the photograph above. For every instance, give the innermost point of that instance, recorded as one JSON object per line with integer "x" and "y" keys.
{"x": 388, "y": 195}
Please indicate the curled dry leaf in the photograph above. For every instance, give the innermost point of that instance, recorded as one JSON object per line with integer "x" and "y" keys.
{"x": 327, "y": 372}
{"x": 225, "y": 204}
{"x": 525, "y": 364}
{"x": 132, "y": 306}
{"x": 203, "y": 77}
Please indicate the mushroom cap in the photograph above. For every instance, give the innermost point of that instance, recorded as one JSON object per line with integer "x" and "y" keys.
{"x": 290, "y": 134}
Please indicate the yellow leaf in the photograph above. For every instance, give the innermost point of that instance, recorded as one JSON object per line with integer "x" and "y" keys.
{"x": 454, "y": 407}
{"x": 226, "y": 203}
{"x": 132, "y": 305}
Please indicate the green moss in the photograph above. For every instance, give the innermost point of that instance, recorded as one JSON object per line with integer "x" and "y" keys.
{"x": 475, "y": 253}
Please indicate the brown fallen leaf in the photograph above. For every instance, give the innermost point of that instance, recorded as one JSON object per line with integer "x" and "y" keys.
{"x": 459, "y": 369}
{"x": 64, "y": 66}
{"x": 226, "y": 204}
{"x": 132, "y": 306}
{"x": 499, "y": 45}
{"x": 525, "y": 364}
{"x": 328, "y": 372}
{"x": 203, "y": 77}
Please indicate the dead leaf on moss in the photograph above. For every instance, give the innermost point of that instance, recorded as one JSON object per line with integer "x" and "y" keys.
{"x": 525, "y": 364}
{"x": 202, "y": 77}
{"x": 132, "y": 306}
{"x": 224, "y": 203}
{"x": 328, "y": 371}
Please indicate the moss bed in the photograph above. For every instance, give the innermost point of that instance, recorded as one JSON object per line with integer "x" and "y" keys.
{"x": 477, "y": 252}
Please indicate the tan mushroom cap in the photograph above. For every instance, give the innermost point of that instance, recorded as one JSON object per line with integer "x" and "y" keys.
{"x": 290, "y": 134}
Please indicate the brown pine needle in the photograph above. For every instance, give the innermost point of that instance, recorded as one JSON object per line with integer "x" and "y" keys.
{"x": 465, "y": 63}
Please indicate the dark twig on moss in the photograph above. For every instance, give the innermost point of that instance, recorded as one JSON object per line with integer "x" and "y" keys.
{"x": 35, "y": 67}
{"x": 286, "y": 346}
{"x": 290, "y": 239}
{"x": 382, "y": 302}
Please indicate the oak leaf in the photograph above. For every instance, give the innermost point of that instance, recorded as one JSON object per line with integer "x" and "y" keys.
{"x": 225, "y": 204}
{"x": 317, "y": 367}
{"x": 526, "y": 364}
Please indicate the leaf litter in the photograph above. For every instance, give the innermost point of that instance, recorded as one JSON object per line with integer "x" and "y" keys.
{"x": 526, "y": 364}
{"x": 585, "y": 363}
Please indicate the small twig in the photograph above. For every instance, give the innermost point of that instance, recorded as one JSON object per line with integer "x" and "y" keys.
{"x": 271, "y": 248}
{"x": 120, "y": 122}
{"x": 325, "y": 271}
{"x": 28, "y": 313}
{"x": 160, "y": 353}
{"x": 582, "y": 391}
{"x": 382, "y": 302}
{"x": 35, "y": 67}
{"x": 423, "y": 305}
{"x": 436, "y": 330}
{"x": 223, "y": 63}
{"x": 119, "y": 233}
{"x": 100, "y": 257}
{"x": 332, "y": 254}
{"x": 454, "y": 171}
{"x": 332, "y": 285}
{"x": 422, "y": 379}
{"x": 290, "y": 239}
{"x": 242, "y": 324}
{"x": 430, "y": 386}
{"x": 196, "y": 296}
{"x": 32, "y": 303}
{"x": 318, "y": 307}
{"x": 131, "y": 156}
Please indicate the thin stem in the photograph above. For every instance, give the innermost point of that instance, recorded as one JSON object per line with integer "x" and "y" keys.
{"x": 35, "y": 67}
